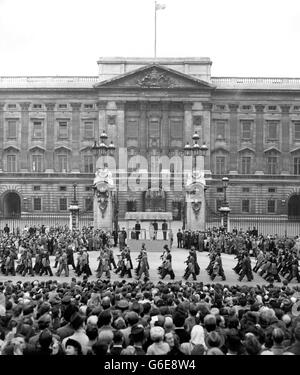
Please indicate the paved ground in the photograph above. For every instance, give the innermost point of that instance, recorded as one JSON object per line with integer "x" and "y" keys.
{"x": 179, "y": 256}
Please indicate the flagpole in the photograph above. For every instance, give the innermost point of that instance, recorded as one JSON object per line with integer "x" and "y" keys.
{"x": 155, "y": 29}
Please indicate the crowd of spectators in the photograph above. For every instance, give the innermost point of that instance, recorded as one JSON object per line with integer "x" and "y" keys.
{"x": 101, "y": 317}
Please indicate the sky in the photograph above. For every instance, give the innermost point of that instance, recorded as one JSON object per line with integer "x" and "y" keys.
{"x": 243, "y": 38}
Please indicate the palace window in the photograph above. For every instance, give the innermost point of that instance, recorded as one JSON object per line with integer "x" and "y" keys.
{"x": 36, "y": 188}
{"x": 132, "y": 126}
{"x": 220, "y": 130}
{"x": 63, "y": 204}
{"x": 297, "y": 165}
{"x": 297, "y": 130}
{"x": 37, "y": 204}
{"x": 11, "y": 106}
{"x": 296, "y": 107}
{"x": 176, "y": 128}
{"x": 11, "y": 163}
{"x": 62, "y": 129}
{"x": 88, "y": 188}
{"x": 89, "y": 106}
{"x": 271, "y": 206}
{"x": 220, "y": 107}
{"x": 245, "y": 190}
{"x": 271, "y": 190}
{"x": 272, "y": 130}
{"x": 220, "y": 164}
{"x": 131, "y": 206}
{"x": 62, "y": 160}
{"x": 37, "y": 106}
{"x": 37, "y": 163}
{"x": 88, "y": 203}
{"x": 219, "y": 190}
{"x": 12, "y": 129}
{"x": 245, "y": 164}
{"x": 37, "y": 129}
{"x": 272, "y": 108}
{"x": 88, "y": 129}
{"x": 272, "y": 164}
{"x": 62, "y": 106}
{"x": 246, "y": 129}
{"x": 246, "y": 107}
{"x": 245, "y": 205}
{"x": 154, "y": 132}
{"x": 62, "y": 188}
{"x": 88, "y": 164}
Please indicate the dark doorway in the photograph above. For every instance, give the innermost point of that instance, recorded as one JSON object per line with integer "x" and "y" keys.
{"x": 11, "y": 205}
{"x": 155, "y": 201}
{"x": 294, "y": 207}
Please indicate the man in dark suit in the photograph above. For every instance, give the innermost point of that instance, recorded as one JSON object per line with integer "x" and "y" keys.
{"x": 164, "y": 228}
{"x": 137, "y": 230}
{"x": 179, "y": 238}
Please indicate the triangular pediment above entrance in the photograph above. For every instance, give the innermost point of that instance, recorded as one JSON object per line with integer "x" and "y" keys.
{"x": 155, "y": 77}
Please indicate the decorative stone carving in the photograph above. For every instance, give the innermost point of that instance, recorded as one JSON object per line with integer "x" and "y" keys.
{"x": 111, "y": 119}
{"x": 24, "y": 106}
{"x": 259, "y": 108}
{"x": 50, "y": 106}
{"x": 285, "y": 108}
{"x": 233, "y": 107}
{"x": 206, "y": 106}
{"x": 155, "y": 79}
{"x": 75, "y": 106}
{"x": 103, "y": 184}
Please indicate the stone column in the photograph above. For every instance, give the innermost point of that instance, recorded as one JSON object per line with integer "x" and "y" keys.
{"x": 207, "y": 133}
{"x": 165, "y": 139}
{"x": 285, "y": 123}
{"x": 188, "y": 122}
{"x": 259, "y": 138}
{"x": 50, "y": 141}
{"x": 102, "y": 116}
{"x": 1, "y": 134}
{"x": 76, "y": 162}
{"x": 24, "y": 136}
{"x": 233, "y": 137}
{"x": 143, "y": 127}
{"x": 121, "y": 123}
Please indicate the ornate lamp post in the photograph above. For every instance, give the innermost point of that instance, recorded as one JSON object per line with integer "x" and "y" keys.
{"x": 225, "y": 206}
{"x": 193, "y": 150}
{"x": 74, "y": 210}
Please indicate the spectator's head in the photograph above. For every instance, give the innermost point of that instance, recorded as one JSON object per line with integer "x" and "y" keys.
{"x": 210, "y": 322}
{"x": 77, "y": 321}
{"x": 157, "y": 334}
{"x": 92, "y": 333}
{"x": 118, "y": 338}
{"x": 104, "y": 318}
{"x": 100, "y": 348}
{"x": 277, "y": 335}
{"x": 178, "y": 319}
{"x": 137, "y": 334}
{"x": 73, "y": 347}
{"x": 130, "y": 350}
{"x": 251, "y": 344}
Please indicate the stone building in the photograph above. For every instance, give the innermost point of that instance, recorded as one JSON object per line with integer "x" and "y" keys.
{"x": 150, "y": 107}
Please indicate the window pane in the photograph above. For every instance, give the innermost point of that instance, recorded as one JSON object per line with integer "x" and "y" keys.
{"x": 297, "y": 166}
{"x": 297, "y": 130}
{"x": 63, "y": 204}
{"x": 271, "y": 206}
{"x": 132, "y": 128}
{"x": 62, "y": 163}
{"x": 37, "y": 204}
{"x": 272, "y": 164}
{"x": 272, "y": 130}
{"x": 220, "y": 129}
{"x": 63, "y": 129}
{"x": 246, "y": 129}
{"x": 12, "y": 129}
{"x": 89, "y": 204}
{"x": 176, "y": 128}
{"x": 245, "y": 205}
{"x": 11, "y": 163}
{"x": 88, "y": 164}
{"x": 37, "y": 129}
{"x": 88, "y": 129}
{"x": 220, "y": 164}
{"x": 246, "y": 165}
{"x": 37, "y": 163}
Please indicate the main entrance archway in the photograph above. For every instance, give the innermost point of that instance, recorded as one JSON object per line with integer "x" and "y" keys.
{"x": 294, "y": 207}
{"x": 11, "y": 205}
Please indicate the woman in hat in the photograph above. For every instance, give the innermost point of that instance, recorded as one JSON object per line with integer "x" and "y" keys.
{"x": 196, "y": 345}
{"x": 73, "y": 347}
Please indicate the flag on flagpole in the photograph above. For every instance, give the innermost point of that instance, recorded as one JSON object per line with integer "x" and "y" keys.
{"x": 159, "y": 6}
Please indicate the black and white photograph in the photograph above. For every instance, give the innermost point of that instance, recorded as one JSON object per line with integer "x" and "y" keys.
{"x": 149, "y": 180}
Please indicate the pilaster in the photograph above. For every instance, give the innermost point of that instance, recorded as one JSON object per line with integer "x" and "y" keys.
{"x": 75, "y": 131}
{"x": 233, "y": 137}
{"x": 285, "y": 140}
{"x": 259, "y": 108}
{"x": 24, "y": 136}
{"x": 50, "y": 142}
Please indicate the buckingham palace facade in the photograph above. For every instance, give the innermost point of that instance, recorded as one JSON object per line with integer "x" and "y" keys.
{"x": 251, "y": 127}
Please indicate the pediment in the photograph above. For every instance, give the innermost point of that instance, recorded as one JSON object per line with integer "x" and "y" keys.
{"x": 155, "y": 77}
